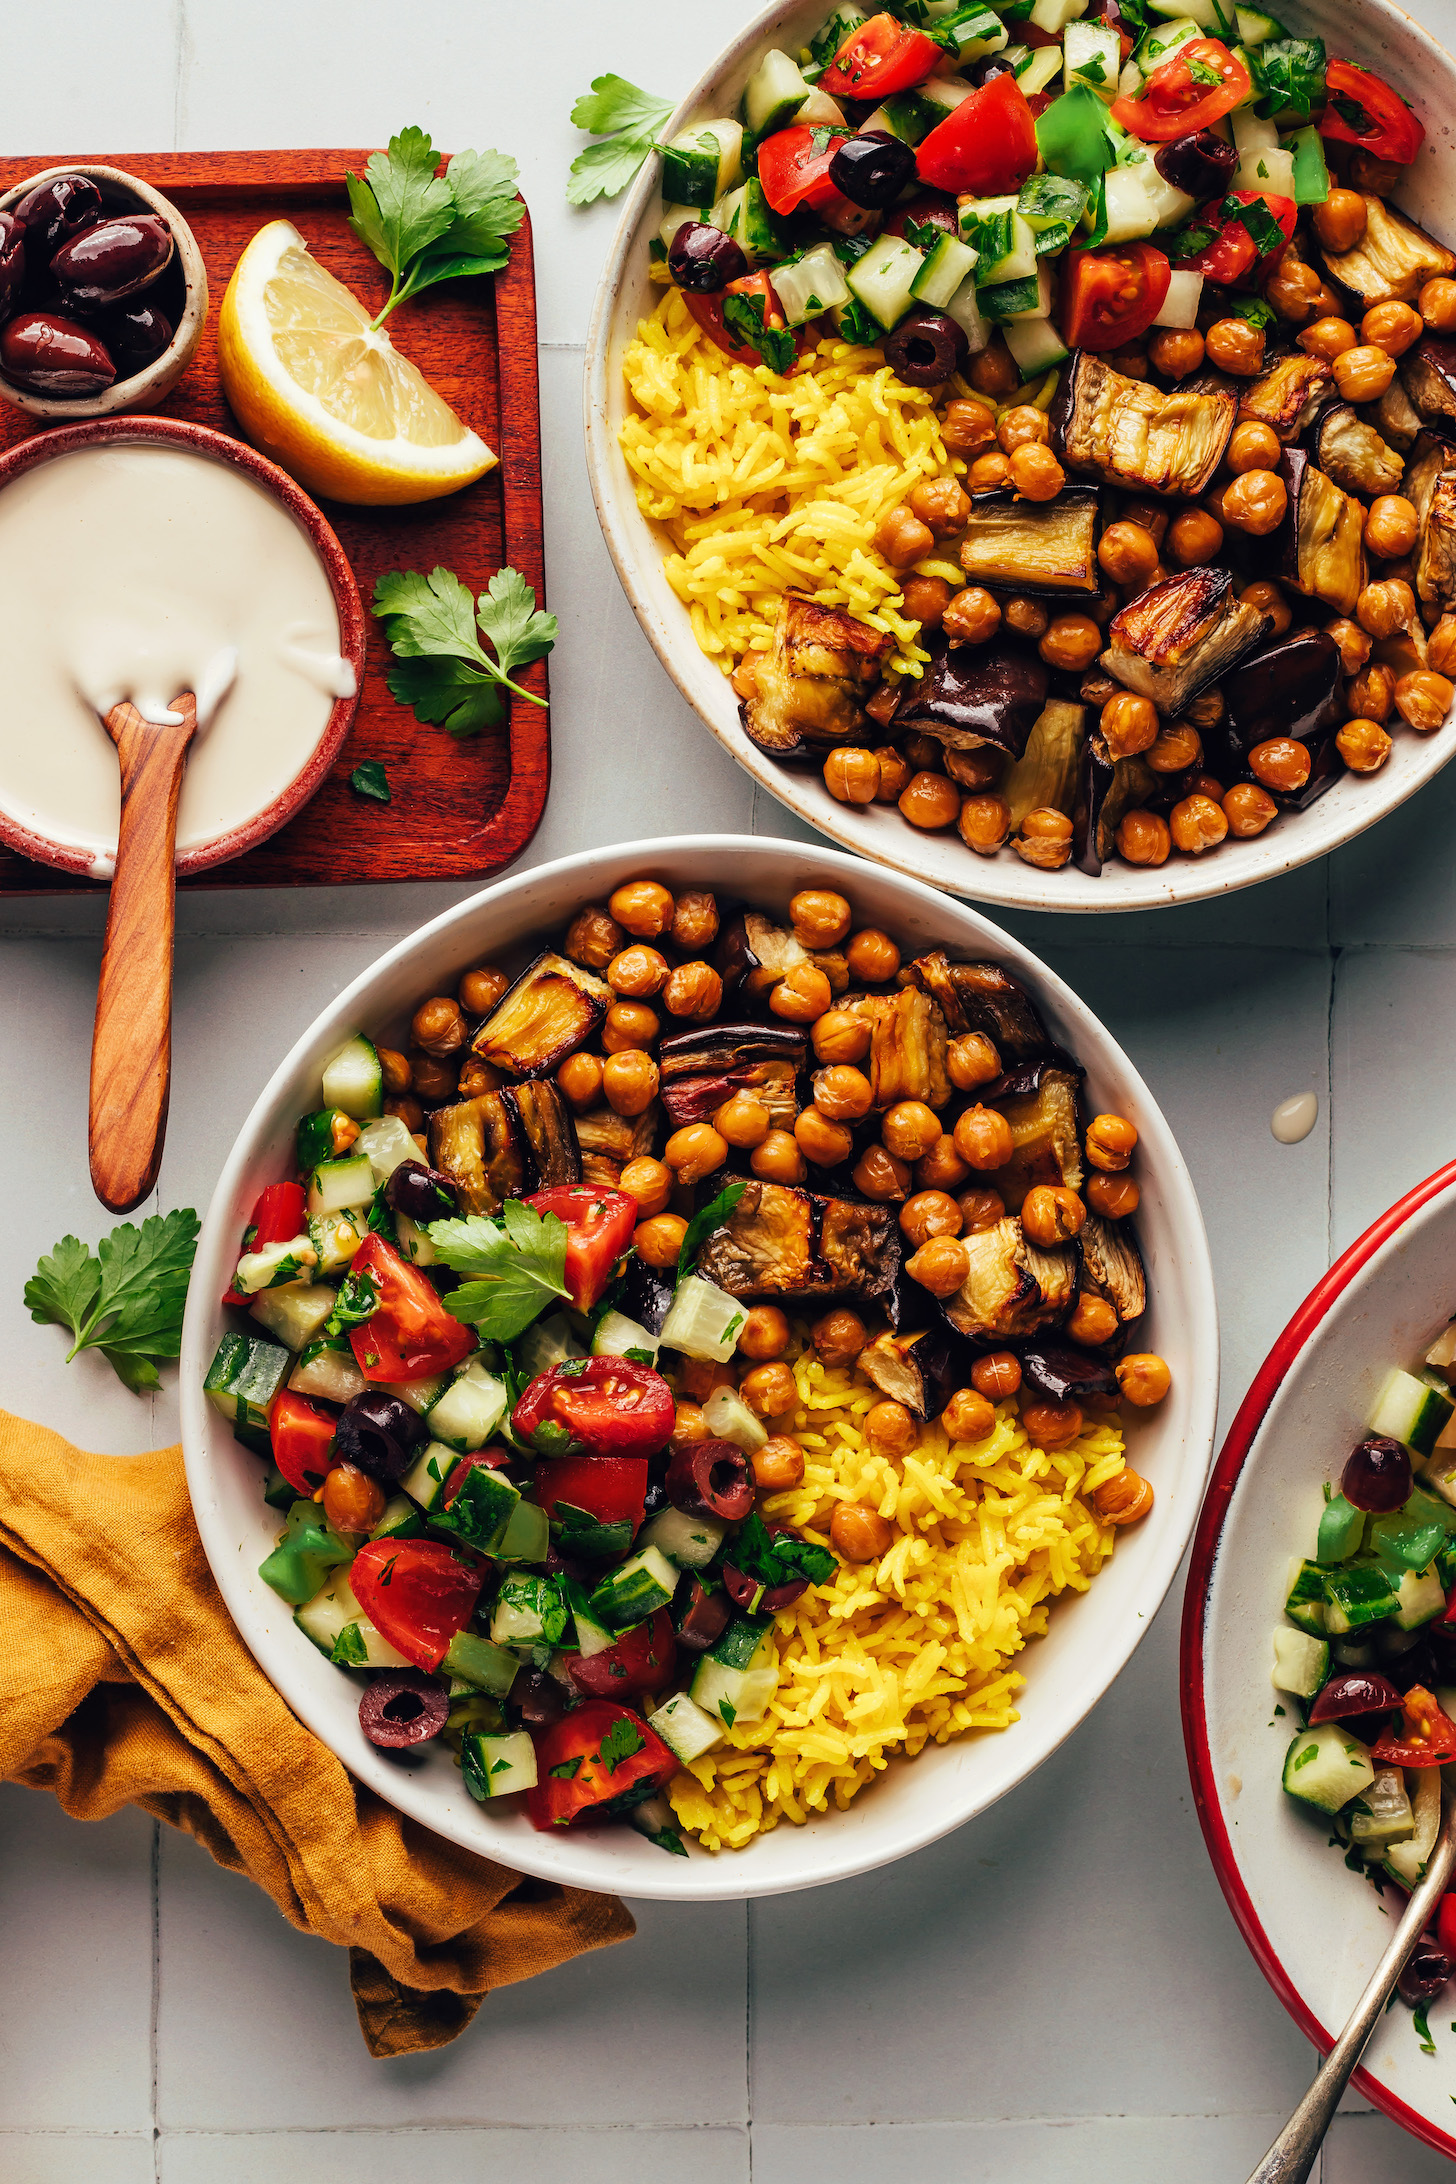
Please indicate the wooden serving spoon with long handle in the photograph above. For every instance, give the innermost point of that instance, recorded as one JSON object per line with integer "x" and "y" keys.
{"x": 131, "y": 1051}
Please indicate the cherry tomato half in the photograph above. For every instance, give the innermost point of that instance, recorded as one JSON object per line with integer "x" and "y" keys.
{"x": 986, "y": 145}
{"x": 302, "y": 1436}
{"x": 1362, "y": 109}
{"x": 1235, "y": 251}
{"x": 606, "y": 1406}
{"x": 1426, "y": 1736}
{"x": 1109, "y": 297}
{"x": 600, "y": 1759}
{"x": 793, "y": 167}
{"x": 879, "y": 57}
{"x": 599, "y": 1224}
{"x": 1194, "y": 88}
{"x": 613, "y": 1489}
{"x": 410, "y": 1336}
{"x": 416, "y": 1593}
{"x": 643, "y": 1659}
{"x": 277, "y": 1218}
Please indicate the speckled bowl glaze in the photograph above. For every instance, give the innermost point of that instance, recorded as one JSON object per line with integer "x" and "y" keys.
{"x": 1377, "y": 33}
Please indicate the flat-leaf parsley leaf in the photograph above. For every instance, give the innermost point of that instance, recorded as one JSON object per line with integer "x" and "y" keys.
{"x": 620, "y": 1742}
{"x": 441, "y": 669}
{"x": 629, "y": 119}
{"x": 515, "y": 1264}
{"x": 126, "y": 1298}
{"x": 425, "y": 227}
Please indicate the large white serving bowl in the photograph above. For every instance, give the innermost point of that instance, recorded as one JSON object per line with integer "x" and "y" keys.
{"x": 1092, "y": 1636}
{"x": 1377, "y": 33}
{"x": 1316, "y": 1930}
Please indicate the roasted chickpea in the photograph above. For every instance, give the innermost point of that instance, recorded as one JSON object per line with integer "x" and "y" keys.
{"x": 629, "y": 1024}
{"x": 983, "y": 1138}
{"x": 981, "y": 1209}
{"x": 1045, "y": 839}
{"x": 1132, "y": 361}
{"x": 1424, "y": 699}
{"x": 984, "y": 823}
{"x": 1144, "y": 1378}
{"x": 658, "y": 1241}
{"x": 693, "y": 991}
{"x": 1327, "y": 337}
{"x": 880, "y": 1175}
{"x": 1291, "y": 288}
{"x": 1438, "y": 305}
{"x": 695, "y": 1151}
{"x": 967, "y": 427}
{"x": 1143, "y": 838}
{"x": 1022, "y": 426}
{"x": 942, "y": 504}
{"x": 1175, "y": 351}
{"x": 476, "y": 1077}
{"x": 409, "y": 1111}
{"x": 930, "y": 1213}
{"x": 1052, "y": 1215}
{"x": 1363, "y": 373}
{"x": 1255, "y": 502}
{"x": 1385, "y": 606}
{"x": 1270, "y": 600}
{"x": 989, "y": 472}
{"x": 744, "y": 679}
{"x": 770, "y": 1391}
{"x": 643, "y": 908}
{"x": 859, "y": 1535}
{"x": 941, "y": 1169}
{"x": 1441, "y": 644}
{"x": 1391, "y": 327}
{"x": 353, "y": 1502}
{"x": 1110, "y": 1141}
{"x": 839, "y": 1336}
{"x": 873, "y": 956}
{"x": 1036, "y": 473}
{"x": 649, "y": 1182}
{"x": 1124, "y": 1499}
{"x": 438, "y": 1027}
{"x": 1252, "y": 446}
{"x": 699, "y": 1377}
{"x": 971, "y": 1061}
{"x": 1072, "y": 641}
{"x": 889, "y": 1429}
{"x": 742, "y": 1121}
{"x": 902, "y": 538}
{"x": 940, "y": 1265}
{"x": 967, "y": 1416}
{"x": 637, "y": 973}
{"x": 1028, "y": 617}
{"x": 841, "y": 1037}
{"x": 993, "y": 371}
{"x": 777, "y": 1158}
{"x": 436, "y": 1080}
{"x": 1391, "y": 526}
{"x": 1093, "y": 1321}
{"x": 1353, "y": 643}
{"x": 694, "y": 921}
{"x": 1113, "y": 1196}
{"x": 842, "y": 1093}
{"x": 1248, "y": 810}
{"x": 1205, "y": 784}
{"x": 1363, "y": 745}
{"x": 997, "y": 1375}
{"x": 972, "y": 616}
{"x": 778, "y": 1465}
{"x": 801, "y": 994}
{"x": 1371, "y": 696}
{"x": 909, "y": 1128}
{"x": 1129, "y": 724}
{"x": 826, "y": 1143}
{"x": 1340, "y": 221}
{"x": 1176, "y": 749}
{"x": 394, "y": 1068}
{"x": 930, "y": 801}
{"x": 629, "y": 1081}
{"x": 593, "y": 938}
{"x": 895, "y": 771}
{"x": 1128, "y": 554}
{"x": 1055, "y": 1425}
{"x": 480, "y": 989}
{"x": 925, "y": 601}
{"x": 1197, "y": 823}
{"x": 580, "y": 1080}
{"x": 1194, "y": 537}
{"x": 1235, "y": 346}
{"x": 852, "y": 775}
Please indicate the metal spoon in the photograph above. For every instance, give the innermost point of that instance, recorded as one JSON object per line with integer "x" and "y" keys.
{"x": 1293, "y": 2154}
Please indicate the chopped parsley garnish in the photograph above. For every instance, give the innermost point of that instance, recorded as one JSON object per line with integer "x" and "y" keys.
{"x": 746, "y": 319}
{"x": 1289, "y": 77}
{"x": 1258, "y": 220}
{"x": 620, "y": 1742}
{"x": 923, "y": 235}
{"x": 356, "y": 1302}
{"x": 1252, "y": 308}
{"x": 370, "y": 779}
{"x": 567, "y": 1771}
{"x": 703, "y": 1223}
{"x": 777, "y": 1559}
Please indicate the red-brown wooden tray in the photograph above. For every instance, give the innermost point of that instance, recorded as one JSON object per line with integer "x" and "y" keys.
{"x": 459, "y": 810}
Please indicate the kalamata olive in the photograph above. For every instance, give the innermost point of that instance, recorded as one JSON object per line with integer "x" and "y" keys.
{"x": 538, "y": 1699}
{"x": 1361, "y": 1691}
{"x": 114, "y": 259}
{"x": 871, "y": 170}
{"x": 1424, "y": 1973}
{"x": 379, "y": 1433}
{"x": 744, "y": 1590}
{"x": 403, "y": 1707}
{"x": 50, "y": 355}
{"x": 981, "y": 72}
{"x": 932, "y": 208}
{"x": 710, "y": 1479}
{"x": 136, "y": 335}
{"x": 12, "y": 263}
{"x": 1200, "y": 165}
{"x": 421, "y": 1193}
{"x": 56, "y": 210}
{"x": 926, "y": 348}
{"x": 707, "y": 1615}
{"x": 1377, "y": 1476}
{"x": 704, "y": 259}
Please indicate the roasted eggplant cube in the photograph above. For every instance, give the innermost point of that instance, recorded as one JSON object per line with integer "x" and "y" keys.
{"x": 753, "y": 954}
{"x": 1039, "y": 1101}
{"x": 908, "y": 1041}
{"x": 1180, "y": 635}
{"x": 1044, "y": 778}
{"x": 552, "y": 1009}
{"x": 1134, "y": 435}
{"x": 1013, "y": 1289}
{"x": 982, "y": 997}
{"x": 1430, "y": 487}
{"x": 1284, "y": 397}
{"x": 1320, "y": 543}
{"x": 549, "y": 1132}
{"x": 1290, "y": 689}
{"x": 1428, "y": 375}
{"x": 478, "y": 1144}
{"x": 974, "y": 695}
{"x": 1393, "y": 259}
{"x": 1396, "y": 416}
{"x": 1348, "y": 449}
{"x": 812, "y": 685}
{"x": 717, "y": 1050}
{"x": 780, "y": 1242}
{"x": 922, "y": 1371}
{"x": 1112, "y": 1265}
{"x": 697, "y": 1099}
{"x": 1048, "y": 547}
{"x": 1054, "y": 1372}
{"x": 1107, "y": 789}
{"x": 606, "y": 1142}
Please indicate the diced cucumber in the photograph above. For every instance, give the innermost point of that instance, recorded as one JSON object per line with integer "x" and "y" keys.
{"x": 1035, "y": 66}
{"x": 1139, "y": 201}
{"x": 942, "y": 273}
{"x": 674, "y": 216}
{"x": 690, "y": 1542}
{"x": 527, "y": 1536}
{"x": 1305, "y": 1603}
{"x": 1409, "y": 1410}
{"x": 385, "y": 1144}
{"x": 1341, "y": 1529}
{"x": 278, "y": 1493}
{"x": 986, "y": 212}
{"x": 1053, "y": 16}
{"x": 882, "y": 281}
{"x": 906, "y": 116}
{"x": 1407, "y": 1861}
{"x": 820, "y": 111}
{"x": 1403, "y": 1542}
{"x": 1422, "y": 1598}
{"x": 470, "y": 1409}
{"x": 703, "y": 164}
{"x": 1157, "y": 46}
{"x": 401, "y": 1520}
{"x": 328, "y": 1371}
{"x": 1439, "y": 1474}
{"x": 810, "y": 285}
{"x": 636, "y": 1589}
{"x": 414, "y": 1244}
{"x": 1442, "y": 1353}
{"x": 773, "y": 95}
{"x": 1019, "y": 299}
{"x": 730, "y": 1419}
{"x": 1208, "y": 14}
{"x": 1092, "y": 54}
{"x": 1180, "y": 306}
{"x": 497, "y": 1766}
{"x": 294, "y": 1313}
{"x": 966, "y": 312}
{"x": 1035, "y": 345}
{"x": 476, "y": 1661}
{"x": 360, "y": 1645}
{"x": 1357, "y": 1597}
{"x": 425, "y": 1479}
{"x": 975, "y": 32}
{"x": 1383, "y": 1815}
{"x": 1266, "y": 169}
{"x": 482, "y": 1507}
{"x": 529, "y": 1611}
{"x": 343, "y": 1186}
{"x": 1326, "y": 1767}
{"x": 1301, "y": 1663}
{"x": 421, "y": 1395}
{"x": 731, "y": 1687}
{"x": 618, "y": 1336}
{"x": 685, "y": 1729}
{"x": 1051, "y": 201}
{"x": 335, "y": 1238}
{"x": 354, "y": 1081}
{"x": 591, "y": 1636}
{"x": 703, "y": 1321}
{"x": 945, "y": 93}
{"x": 548, "y": 1342}
{"x": 330, "y": 1610}
{"x": 244, "y": 1377}
{"x": 1360, "y": 1651}
{"x": 1256, "y": 28}
{"x": 746, "y": 215}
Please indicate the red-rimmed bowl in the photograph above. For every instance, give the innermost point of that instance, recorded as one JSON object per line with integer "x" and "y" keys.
{"x": 314, "y": 763}
{"x": 1315, "y": 1929}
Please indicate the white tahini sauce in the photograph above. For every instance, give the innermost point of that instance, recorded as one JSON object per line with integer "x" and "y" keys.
{"x": 1295, "y": 1117}
{"x": 139, "y": 572}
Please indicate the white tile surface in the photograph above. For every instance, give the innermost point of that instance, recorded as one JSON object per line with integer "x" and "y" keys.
{"x": 1095, "y": 2149}
{"x": 1370, "y": 2150}
{"x": 71, "y": 2157}
{"x": 1380, "y": 995}
{"x": 637, "y": 2156}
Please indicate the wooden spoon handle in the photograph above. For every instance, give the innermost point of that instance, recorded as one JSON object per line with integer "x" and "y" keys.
{"x": 131, "y": 1052}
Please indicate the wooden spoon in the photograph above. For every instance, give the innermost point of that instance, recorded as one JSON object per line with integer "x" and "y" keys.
{"x": 131, "y": 1051}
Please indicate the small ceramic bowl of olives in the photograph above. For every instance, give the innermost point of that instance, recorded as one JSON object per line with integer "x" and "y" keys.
{"x": 103, "y": 294}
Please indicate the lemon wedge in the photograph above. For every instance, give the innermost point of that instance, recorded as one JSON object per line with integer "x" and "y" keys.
{"x": 330, "y": 400}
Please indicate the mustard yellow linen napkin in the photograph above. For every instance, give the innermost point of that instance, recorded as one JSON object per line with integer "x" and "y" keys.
{"x": 123, "y": 1681}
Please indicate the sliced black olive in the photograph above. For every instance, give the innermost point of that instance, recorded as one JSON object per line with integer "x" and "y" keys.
{"x": 49, "y": 354}
{"x": 113, "y": 259}
{"x": 871, "y": 170}
{"x": 926, "y": 348}
{"x": 704, "y": 259}
{"x": 136, "y": 334}
{"x": 379, "y": 1433}
{"x": 707, "y": 1615}
{"x": 981, "y": 72}
{"x": 710, "y": 1479}
{"x": 421, "y": 1193}
{"x": 403, "y": 1707}
{"x": 1200, "y": 165}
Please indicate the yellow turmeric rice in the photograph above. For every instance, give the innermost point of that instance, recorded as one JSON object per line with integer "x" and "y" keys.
{"x": 918, "y": 1646}
{"x": 766, "y": 485}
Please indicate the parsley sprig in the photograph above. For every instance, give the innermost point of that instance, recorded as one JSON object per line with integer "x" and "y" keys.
{"x": 703, "y": 1223}
{"x": 515, "y": 1262}
{"x": 628, "y": 118}
{"x": 776, "y": 1559}
{"x": 441, "y": 669}
{"x": 424, "y": 227}
{"x": 124, "y": 1299}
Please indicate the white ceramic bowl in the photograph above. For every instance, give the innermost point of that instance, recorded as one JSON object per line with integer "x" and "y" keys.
{"x": 1315, "y": 1929}
{"x": 1377, "y": 33}
{"x": 1092, "y": 1636}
